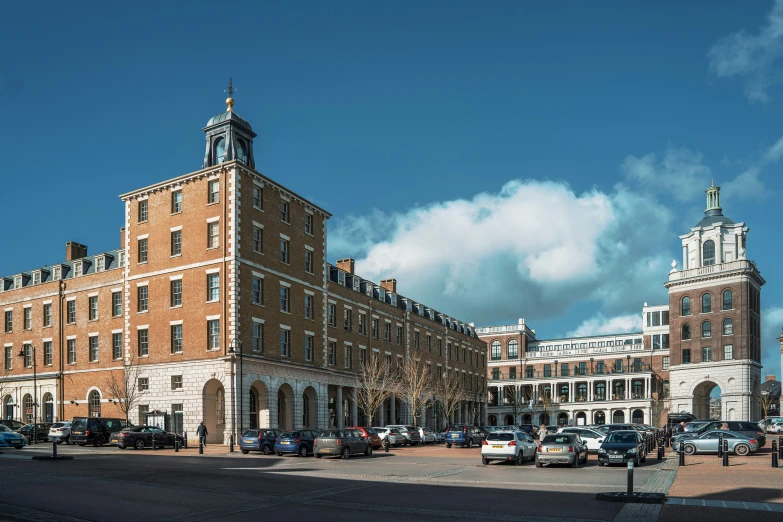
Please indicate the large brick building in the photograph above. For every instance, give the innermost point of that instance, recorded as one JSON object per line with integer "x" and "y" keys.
{"x": 213, "y": 264}
{"x": 708, "y": 336}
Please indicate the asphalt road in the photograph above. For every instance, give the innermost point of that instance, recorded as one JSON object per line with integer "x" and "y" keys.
{"x": 432, "y": 482}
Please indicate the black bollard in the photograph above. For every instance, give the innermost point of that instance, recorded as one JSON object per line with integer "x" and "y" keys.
{"x": 154, "y": 447}
{"x": 231, "y": 444}
{"x": 660, "y": 452}
{"x": 780, "y": 449}
{"x": 185, "y": 438}
{"x": 668, "y": 442}
{"x": 774, "y": 454}
{"x": 200, "y": 448}
{"x": 54, "y": 449}
{"x": 176, "y": 446}
{"x": 720, "y": 447}
{"x": 630, "y": 478}
{"x": 386, "y": 444}
{"x": 682, "y": 457}
{"x": 725, "y": 453}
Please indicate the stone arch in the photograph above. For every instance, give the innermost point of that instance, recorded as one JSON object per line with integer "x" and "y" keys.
{"x": 637, "y": 416}
{"x": 493, "y": 420}
{"x": 213, "y": 397}
{"x": 700, "y": 395}
{"x": 562, "y": 419}
{"x": 581, "y": 416}
{"x": 94, "y": 403}
{"x": 618, "y": 417}
{"x": 509, "y": 420}
{"x": 527, "y": 419}
{"x": 599, "y": 417}
{"x": 285, "y": 407}
{"x": 28, "y": 409}
{"x": 8, "y": 407}
{"x": 544, "y": 419}
{"x": 310, "y": 408}
{"x": 261, "y": 391}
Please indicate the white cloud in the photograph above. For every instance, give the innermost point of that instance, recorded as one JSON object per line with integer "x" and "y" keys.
{"x": 747, "y": 184}
{"x": 532, "y": 249}
{"x": 752, "y": 56}
{"x": 680, "y": 173}
{"x": 600, "y": 325}
{"x": 771, "y": 324}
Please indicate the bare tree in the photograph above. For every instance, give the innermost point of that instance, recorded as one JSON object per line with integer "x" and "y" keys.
{"x": 515, "y": 397}
{"x": 449, "y": 392}
{"x": 415, "y": 386}
{"x": 375, "y": 383}
{"x": 545, "y": 403}
{"x": 125, "y": 389}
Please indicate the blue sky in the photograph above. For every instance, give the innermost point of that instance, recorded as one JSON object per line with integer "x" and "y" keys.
{"x": 501, "y": 160}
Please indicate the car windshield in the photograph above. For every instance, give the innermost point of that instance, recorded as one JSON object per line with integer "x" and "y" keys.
{"x": 558, "y": 439}
{"x": 250, "y": 433}
{"x": 58, "y": 425}
{"x": 500, "y": 436}
{"x": 3, "y": 428}
{"x": 622, "y": 437}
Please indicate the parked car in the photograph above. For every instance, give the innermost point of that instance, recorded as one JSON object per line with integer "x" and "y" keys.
{"x": 370, "y": 434}
{"x": 674, "y": 419}
{"x": 775, "y": 427}
{"x": 512, "y": 446}
{"x": 410, "y": 435}
{"x": 440, "y": 436}
{"x": 466, "y": 435}
{"x": 426, "y": 435}
{"x": 621, "y": 446}
{"x": 341, "y": 443}
{"x": 592, "y": 438}
{"x": 295, "y": 441}
{"x": 529, "y": 429}
{"x": 393, "y": 434}
{"x": 140, "y": 437}
{"x": 60, "y": 432}
{"x": 561, "y": 448}
{"x": 13, "y": 425}
{"x": 262, "y": 440}
{"x": 95, "y": 430}
{"x": 739, "y": 444}
{"x": 39, "y": 430}
{"x": 750, "y": 429}
{"x": 9, "y": 437}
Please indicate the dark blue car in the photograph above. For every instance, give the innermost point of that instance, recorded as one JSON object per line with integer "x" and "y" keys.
{"x": 296, "y": 441}
{"x": 262, "y": 440}
{"x": 466, "y": 435}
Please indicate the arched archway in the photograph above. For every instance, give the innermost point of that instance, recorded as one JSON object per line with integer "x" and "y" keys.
{"x": 544, "y": 419}
{"x": 285, "y": 407}
{"x": 310, "y": 408}
{"x": 493, "y": 421}
{"x": 562, "y": 419}
{"x": 618, "y": 417}
{"x": 261, "y": 417}
{"x": 509, "y": 421}
{"x": 27, "y": 403}
{"x": 599, "y": 417}
{"x": 581, "y": 418}
{"x": 707, "y": 400}
{"x": 8, "y": 407}
{"x": 252, "y": 408}
{"x": 527, "y": 419}
{"x": 94, "y": 402}
{"x": 48, "y": 401}
{"x": 214, "y": 410}
{"x": 637, "y": 417}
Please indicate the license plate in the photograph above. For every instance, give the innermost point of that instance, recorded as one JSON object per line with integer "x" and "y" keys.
{"x": 77, "y": 432}
{"x": 454, "y": 435}
{"x": 615, "y": 457}
{"x": 499, "y": 447}
{"x": 249, "y": 441}
{"x": 114, "y": 440}
{"x": 285, "y": 442}
{"x": 555, "y": 450}
{"x": 326, "y": 450}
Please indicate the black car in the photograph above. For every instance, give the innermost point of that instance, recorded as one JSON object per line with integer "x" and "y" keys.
{"x": 95, "y": 430}
{"x": 622, "y": 446}
{"x": 528, "y": 428}
{"x": 41, "y": 431}
{"x": 13, "y": 425}
{"x": 140, "y": 437}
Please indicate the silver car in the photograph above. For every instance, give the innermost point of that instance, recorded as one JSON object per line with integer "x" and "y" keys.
{"x": 411, "y": 436}
{"x": 739, "y": 444}
{"x": 561, "y": 448}
{"x": 393, "y": 434}
{"x": 427, "y": 435}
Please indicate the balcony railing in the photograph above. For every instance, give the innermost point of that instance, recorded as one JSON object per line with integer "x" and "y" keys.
{"x": 539, "y": 374}
{"x": 740, "y": 264}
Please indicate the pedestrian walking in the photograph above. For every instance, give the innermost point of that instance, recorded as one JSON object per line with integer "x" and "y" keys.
{"x": 542, "y": 432}
{"x": 202, "y": 433}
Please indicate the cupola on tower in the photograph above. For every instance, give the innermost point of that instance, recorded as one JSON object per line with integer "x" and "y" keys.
{"x": 715, "y": 319}
{"x": 229, "y": 136}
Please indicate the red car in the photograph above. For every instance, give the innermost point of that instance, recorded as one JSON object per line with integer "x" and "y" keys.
{"x": 368, "y": 433}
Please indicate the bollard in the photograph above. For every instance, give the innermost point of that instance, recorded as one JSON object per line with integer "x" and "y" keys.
{"x": 682, "y": 457}
{"x": 660, "y": 452}
{"x": 154, "y": 447}
{"x": 386, "y": 444}
{"x": 185, "y": 438}
{"x": 54, "y": 449}
{"x": 720, "y": 447}
{"x": 668, "y": 442}
{"x": 630, "y": 478}
{"x": 176, "y": 446}
{"x": 774, "y": 454}
{"x": 231, "y": 444}
{"x": 200, "y": 448}
{"x": 725, "y": 453}
{"x": 780, "y": 449}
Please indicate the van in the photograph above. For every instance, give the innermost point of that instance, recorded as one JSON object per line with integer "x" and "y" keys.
{"x": 95, "y": 430}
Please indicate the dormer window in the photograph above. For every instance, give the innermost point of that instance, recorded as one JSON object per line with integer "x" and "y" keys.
{"x": 100, "y": 263}
{"x": 17, "y": 282}
{"x": 121, "y": 261}
{"x": 356, "y": 284}
{"x": 56, "y": 273}
{"x": 381, "y": 295}
{"x": 393, "y": 299}
{"x": 77, "y": 269}
{"x": 341, "y": 278}
{"x": 37, "y": 277}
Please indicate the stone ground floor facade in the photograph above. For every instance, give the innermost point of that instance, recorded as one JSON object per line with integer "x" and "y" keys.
{"x": 639, "y": 411}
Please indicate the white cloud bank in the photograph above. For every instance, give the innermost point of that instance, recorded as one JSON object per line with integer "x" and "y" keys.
{"x": 752, "y": 56}
{"x": 530, "y": 250}
{"x": 600, "y": 325}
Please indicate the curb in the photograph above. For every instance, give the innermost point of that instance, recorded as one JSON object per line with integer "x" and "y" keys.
{"x": 633, "y": 498}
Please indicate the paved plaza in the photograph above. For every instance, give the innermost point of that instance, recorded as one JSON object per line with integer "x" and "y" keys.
{"x": 432, "y": 481}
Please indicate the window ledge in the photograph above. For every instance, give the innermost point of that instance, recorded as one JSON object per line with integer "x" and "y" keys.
{"x": 176, "y": 353}
{"x": 141, "y": 263}
{"x": 143, "y": 312}
{"x": 176, "y": 213}
{"x": 213, "y": 301}
{"x": 213, "y": 203}
{"x": 176, "y": 255}
{"x": 258, "y": 208}
{"x": 213, "y": 349}
{"x": 257, "y": 252}
{"x": 213, "y": 248}
{"x": 284, "y": 312}
{"x": 175, "y": 306}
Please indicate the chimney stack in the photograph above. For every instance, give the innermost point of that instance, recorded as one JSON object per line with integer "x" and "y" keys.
{"x": 74, "y": 250}
{"x": 771, "y": 378}
{"x": 122, "y": 238}
{"x": 390, "y": 285}
{"x": 346, "y": 264}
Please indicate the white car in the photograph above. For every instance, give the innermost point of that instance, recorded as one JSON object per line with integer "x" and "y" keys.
{"x": 777, "y": 427}
{"x": 512, "y": 446}
{"x": 394, "y": 436}
{"x": 427, "y": 435}
{"x": 60, "y": 432}
{"x": 592, "y": 438}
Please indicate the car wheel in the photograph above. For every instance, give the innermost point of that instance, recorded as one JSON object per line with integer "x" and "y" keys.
{"x": 317, "y": 456}
{"x": 60, "y": 441}
{"x": 520, "y": 459}
{"x": 346, "y": 454}
{"x": 303, "y": 451}
{"x": 139, "y": 444}
{"x": 575, "y": 463}
{"x": 98, "y": 441}
{"x": 245, "y": 452}
{"x": 368, "y": 451}
{"x": 584, "y": 460}
{"x": 448, "y": 445}
{"x": 689, "y": 449}
{"x": 484, "y": 460}
{"x": 538, "y": 463}
{"x": 741, "y": 449}
{"x": 266, "y": 450}
{"x": 636, "y": 462}
{"x": 19, "y": 446}
{"x": 121, "y": 446}
{"x": 470, "y": 443}
{"x": 279, "y": 454}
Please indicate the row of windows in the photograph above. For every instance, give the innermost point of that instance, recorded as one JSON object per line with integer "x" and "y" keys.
{"x": 706, "y": 303}
{"x": 27, "y": 355}
{"x": 70, "y": 313}
{"x": 78, "y": 268}
{"x": 285, "y": 250}
{"x": 706, "y": 354}
{"x": 706, "y": 329}
{"x": 213, "y": 241}
{"x": 659, "y": 318}
{"x": 574, "y": 346}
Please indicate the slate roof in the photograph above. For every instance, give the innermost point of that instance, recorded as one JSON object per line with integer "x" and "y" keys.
{"x": 226, "y": 116}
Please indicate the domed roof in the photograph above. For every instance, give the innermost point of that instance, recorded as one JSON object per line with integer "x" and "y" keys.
{"x": 712, "y": 217}
{"x": 229, "y": 116}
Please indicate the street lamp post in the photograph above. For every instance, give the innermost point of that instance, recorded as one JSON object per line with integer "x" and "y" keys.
{"x": 235, "y": 347}
{"x": 23, "y": 354}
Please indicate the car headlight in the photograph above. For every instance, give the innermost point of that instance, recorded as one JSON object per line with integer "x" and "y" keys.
{"x": 601, "y": 451}
{"x": 632, "y": 451}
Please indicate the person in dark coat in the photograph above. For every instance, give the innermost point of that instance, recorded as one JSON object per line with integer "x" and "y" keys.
{"x": 202, "y": 433}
